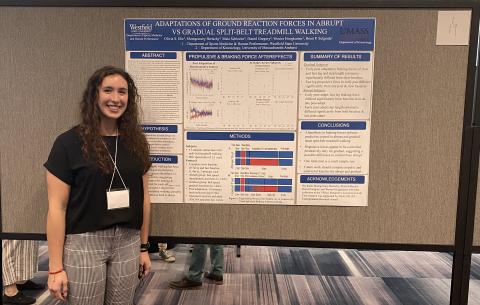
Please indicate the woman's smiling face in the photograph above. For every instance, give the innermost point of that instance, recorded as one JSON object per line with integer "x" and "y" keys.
{"x": 113, "y": 97}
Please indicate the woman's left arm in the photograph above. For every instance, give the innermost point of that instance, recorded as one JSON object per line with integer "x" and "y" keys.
{"x": 145, "y": 262}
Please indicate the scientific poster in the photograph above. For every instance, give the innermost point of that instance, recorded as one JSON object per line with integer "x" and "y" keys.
{"x": 255, "y": 111}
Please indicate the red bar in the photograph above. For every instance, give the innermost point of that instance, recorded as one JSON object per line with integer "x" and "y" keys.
{"x": 270, "y": 188}
{"x": 242, "y": 181}
{"x": 242, "y": 188}
{"x": 243, "y": 154}
{"x": 257, "y": 188}
{"x": 242, "y": 162}
{"x": 265, "y": 188}
{"x": 265, "y": 162}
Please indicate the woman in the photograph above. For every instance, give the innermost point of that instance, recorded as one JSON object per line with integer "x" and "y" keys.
{"x": 98, "y": 202}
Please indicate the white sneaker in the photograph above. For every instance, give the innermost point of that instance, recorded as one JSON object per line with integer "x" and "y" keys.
{"x": 166, "y": 256}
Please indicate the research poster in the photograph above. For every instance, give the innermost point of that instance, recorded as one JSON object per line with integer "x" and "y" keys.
{"x": 255, "y": 111}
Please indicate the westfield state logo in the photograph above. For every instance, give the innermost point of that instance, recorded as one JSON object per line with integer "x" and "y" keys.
{"x": 141, "y": 28}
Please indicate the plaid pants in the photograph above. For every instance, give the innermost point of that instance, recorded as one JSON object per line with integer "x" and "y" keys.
{"x": 102, "y": 266}
{"x": 19, "y": 260}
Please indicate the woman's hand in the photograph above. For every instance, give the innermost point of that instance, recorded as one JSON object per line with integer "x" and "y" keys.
{"x": 57, "y": 285}
{"x": 145, "y": 263}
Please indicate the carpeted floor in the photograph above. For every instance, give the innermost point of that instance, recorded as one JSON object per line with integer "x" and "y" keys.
{"x": 291, "y": 276}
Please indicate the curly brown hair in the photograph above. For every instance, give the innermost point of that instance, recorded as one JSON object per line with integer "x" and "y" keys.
{"x": 128, "y": 124}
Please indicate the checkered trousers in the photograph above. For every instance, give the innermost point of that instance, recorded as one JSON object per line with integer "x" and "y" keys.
{"x": 102, "y": 266}
{"x": 19, "y": 260}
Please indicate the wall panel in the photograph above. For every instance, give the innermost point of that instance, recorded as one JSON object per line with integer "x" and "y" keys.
{"x": 417, "y": 117}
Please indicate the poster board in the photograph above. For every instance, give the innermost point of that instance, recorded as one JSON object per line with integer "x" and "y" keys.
{"x": 255, "y": 111}
{"x": 417, "y": 114}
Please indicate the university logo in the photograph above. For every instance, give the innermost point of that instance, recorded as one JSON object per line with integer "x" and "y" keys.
{"x": 354, "y": 34}
{"x": 141, "y": 28}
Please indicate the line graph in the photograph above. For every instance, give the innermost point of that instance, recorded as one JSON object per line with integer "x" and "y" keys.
{"x": 196, "y": 113}
{"x": 202, "y": 83}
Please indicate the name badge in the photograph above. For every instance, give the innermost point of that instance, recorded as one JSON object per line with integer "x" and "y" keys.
{"x": 118, "y": 199}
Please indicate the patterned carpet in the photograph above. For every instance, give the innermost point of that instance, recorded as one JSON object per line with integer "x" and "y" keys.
{"x": 291, "y": 276}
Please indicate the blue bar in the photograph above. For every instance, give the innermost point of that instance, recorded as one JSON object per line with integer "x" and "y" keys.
{"x": 264, "y": 181}
{"x": 284, "y": 181}
{"x": 161, "y": 159}
{"x": 160, "y": 128}
{"x": 270, "y": 181}
{"x": 247, "y": 161}
{"x": 241, "y": 136}
{"x": 332, "y": 179}
{"x": 284, "y": 189}
{"x": 154, "y": 55}
{"x": 237, "y": 56}
{"x": 255, "y": 181}
{"x": 285, "y": 154}
{"x": 335, "y": 56}
{"x": 333, "y": 125}
{"x": 238, "y": 154}
{"x": 263, "y": 154}
{"x": 280, "y": 189}
{"x": 285, "y": 162}
{"x": 249, "y": 34}
{"x": 238, "y": 162}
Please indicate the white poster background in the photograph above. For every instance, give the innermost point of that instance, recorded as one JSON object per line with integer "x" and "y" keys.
{"x": 328, "y": 167}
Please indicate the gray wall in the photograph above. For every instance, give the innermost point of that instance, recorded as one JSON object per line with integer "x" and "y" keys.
{"x": 418, "y": 102}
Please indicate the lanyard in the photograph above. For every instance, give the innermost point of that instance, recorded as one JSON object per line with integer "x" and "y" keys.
{"x": 115, "y": 168}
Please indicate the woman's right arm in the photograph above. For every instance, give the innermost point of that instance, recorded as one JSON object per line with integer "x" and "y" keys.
{"x": 58, "y": 193}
